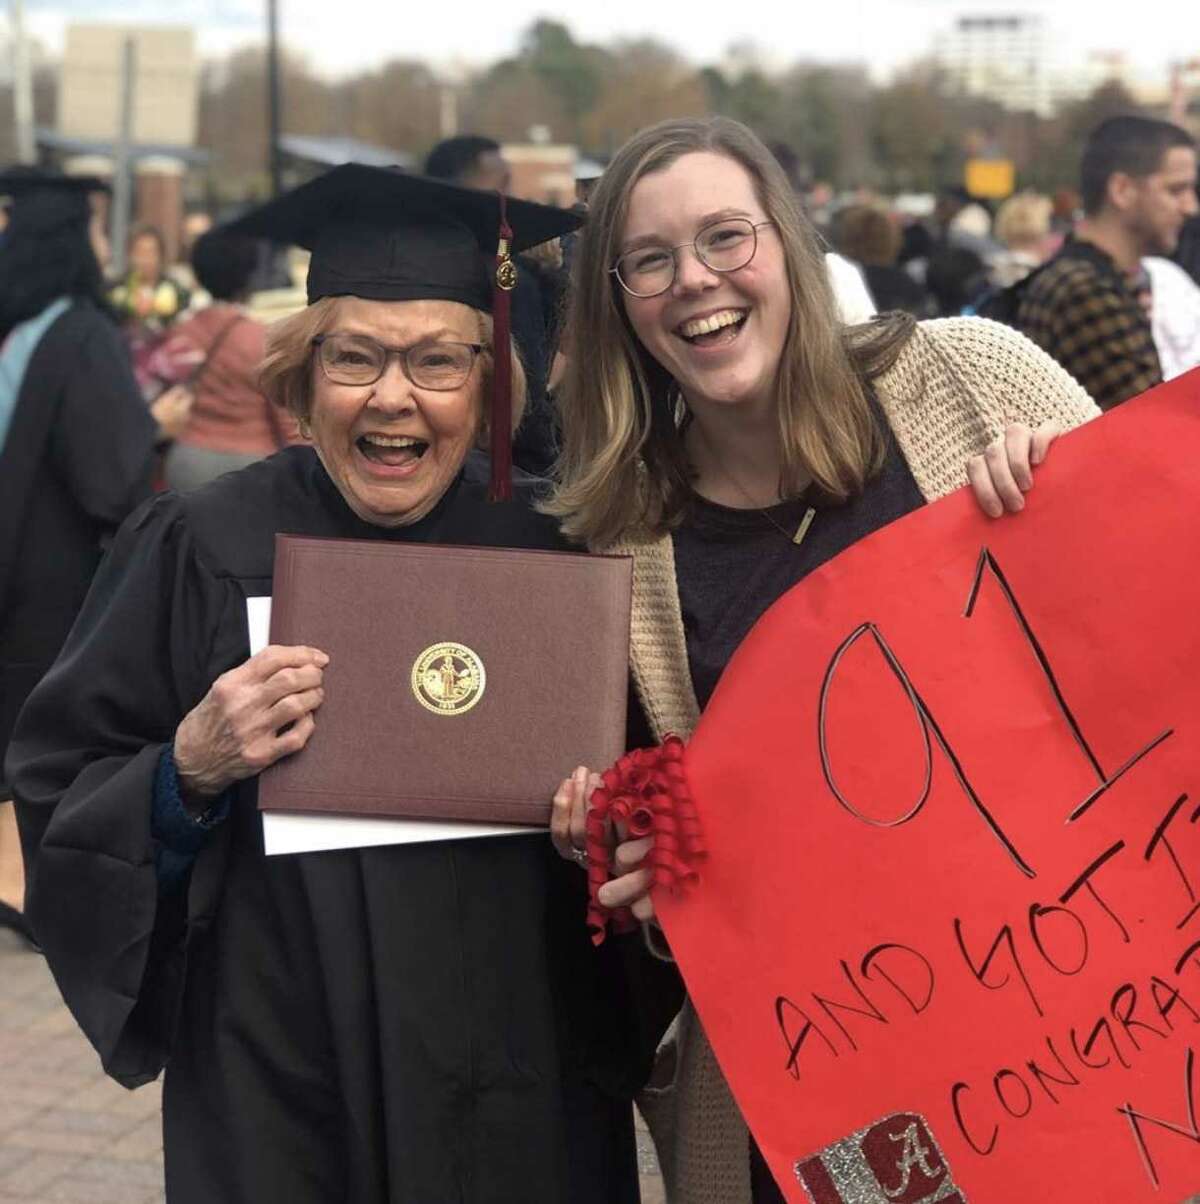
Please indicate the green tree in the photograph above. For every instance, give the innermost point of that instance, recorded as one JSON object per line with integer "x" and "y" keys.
{"x": 911, "y": 138}
{"x": 823, "y": 116}
{"x": 233, "y": 116}
{"x": 506, "y": 101}
{"x": 570, "y": 72}
{"x": 397, "y": 106}
{"x": 1072, "y": 123}
{"x": 646, "y": 82}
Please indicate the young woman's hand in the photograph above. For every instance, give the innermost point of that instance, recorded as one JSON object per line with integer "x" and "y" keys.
{"x": 631, "y": 887}
{"x": 1003, "y": 475}
{"x": 568, "y": 831}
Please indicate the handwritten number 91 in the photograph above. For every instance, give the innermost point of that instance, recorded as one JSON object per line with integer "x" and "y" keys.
{"x": 931, "y": 730}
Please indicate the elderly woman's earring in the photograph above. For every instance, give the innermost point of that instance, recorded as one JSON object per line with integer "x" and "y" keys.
{"x": 305, "y": 429}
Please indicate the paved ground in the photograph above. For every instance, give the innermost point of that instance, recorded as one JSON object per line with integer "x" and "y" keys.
{"x": 67, "y": 1133}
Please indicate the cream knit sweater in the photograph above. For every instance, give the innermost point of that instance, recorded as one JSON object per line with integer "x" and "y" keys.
{"x": 954, "y": 388}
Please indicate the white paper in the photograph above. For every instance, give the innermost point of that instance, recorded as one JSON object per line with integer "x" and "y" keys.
{"x": 294, "y": 832}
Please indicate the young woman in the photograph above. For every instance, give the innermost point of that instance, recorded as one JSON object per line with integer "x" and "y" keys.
{"x": 724, "y": 428}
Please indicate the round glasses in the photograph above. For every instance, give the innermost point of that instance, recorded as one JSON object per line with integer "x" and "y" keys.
{"x": 722, "y": 246}
{"x": 358, "y": 359}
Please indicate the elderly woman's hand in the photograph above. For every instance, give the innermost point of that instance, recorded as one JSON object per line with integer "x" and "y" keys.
{"x": 250, "y": 718}
{"x": 1004, "y": 473}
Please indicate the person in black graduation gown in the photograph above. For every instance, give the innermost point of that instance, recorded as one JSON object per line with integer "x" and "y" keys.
{"x": 415, "y": 1024}
{"x": 76, "y": 439}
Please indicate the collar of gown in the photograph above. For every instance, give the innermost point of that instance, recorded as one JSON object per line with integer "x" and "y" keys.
{"x": 354, "y": 527}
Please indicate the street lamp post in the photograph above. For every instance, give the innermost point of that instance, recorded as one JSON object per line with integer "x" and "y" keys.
{"x": 122, "y": 193}
{"x": 274, "y": 164}
{"x": 22, "y": 86}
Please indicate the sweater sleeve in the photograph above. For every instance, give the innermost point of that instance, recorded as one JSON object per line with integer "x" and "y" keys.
{"x": 956, "y": 387}
{"x": 1026, "y": 384}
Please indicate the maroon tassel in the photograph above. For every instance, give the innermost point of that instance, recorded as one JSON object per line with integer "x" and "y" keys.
{"x": 504, "y": 282}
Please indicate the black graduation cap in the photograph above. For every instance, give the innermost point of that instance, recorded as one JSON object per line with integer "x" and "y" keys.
{"x": 42, "y": 200}
{"x": 382, "y": 234}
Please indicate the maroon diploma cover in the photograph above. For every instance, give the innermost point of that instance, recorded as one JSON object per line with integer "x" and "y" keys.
{"x": 463, "y": 683}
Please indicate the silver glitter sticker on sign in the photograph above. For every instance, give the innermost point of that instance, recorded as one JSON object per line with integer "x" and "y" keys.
{"x": 897, "y": 1160}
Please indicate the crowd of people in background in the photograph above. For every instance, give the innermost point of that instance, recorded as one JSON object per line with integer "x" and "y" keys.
{"x": 1106, "y": 278}
{"x": 934, "y": 256}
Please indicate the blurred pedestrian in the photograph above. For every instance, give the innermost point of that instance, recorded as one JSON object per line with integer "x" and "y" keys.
{"x": 1174, "y": 315}
{"x": 1023, "y": 230}
{"x": 194, "y": 225}
{"x": 216, "y": 354}
{"x": 476, "y": 162}
{"x": 1187, "y": 252}
{"x": 147, "y": 294}
{"x": 1138, "y": 179}
{"x": 76, "y": 441}
{"x": 872, "y": 239}
{"x": 957, "y": 277}
{"x": 147, "y": 300}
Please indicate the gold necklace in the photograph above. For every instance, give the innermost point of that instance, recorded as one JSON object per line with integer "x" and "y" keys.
{"x": 797, "y": 536}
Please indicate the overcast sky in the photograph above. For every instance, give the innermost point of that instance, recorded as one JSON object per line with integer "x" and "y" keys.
{"x": 345, "y": 35}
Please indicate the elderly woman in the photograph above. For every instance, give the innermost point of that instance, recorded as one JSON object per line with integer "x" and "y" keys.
{"x": 721, "y": 425}
{"x": 411, "y": 1025}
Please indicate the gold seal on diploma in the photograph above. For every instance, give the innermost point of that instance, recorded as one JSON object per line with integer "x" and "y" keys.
{"x": 448, "y": 679}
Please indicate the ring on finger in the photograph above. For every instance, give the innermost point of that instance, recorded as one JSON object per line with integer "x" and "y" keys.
{"x": 580, "y": 855}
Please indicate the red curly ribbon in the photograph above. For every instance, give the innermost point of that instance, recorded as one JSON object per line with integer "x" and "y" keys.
{"x": 647, "y": 791}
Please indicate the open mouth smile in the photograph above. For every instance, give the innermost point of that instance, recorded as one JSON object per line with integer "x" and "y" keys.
{"x": 713, "y": 330}
{"x": 392, "y": 451}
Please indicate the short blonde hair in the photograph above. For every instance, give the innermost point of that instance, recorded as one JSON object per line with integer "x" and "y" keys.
{"x": 622, "y": 469}
{"x": 286, "y": 374}
{"x": 1024, "y": 220}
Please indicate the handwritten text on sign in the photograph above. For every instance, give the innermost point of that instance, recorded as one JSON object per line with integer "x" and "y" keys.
{"x": 947, "y": 941}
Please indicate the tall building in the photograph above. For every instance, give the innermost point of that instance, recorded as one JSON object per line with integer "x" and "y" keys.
{"x": 165, "y": 103}
{"x": 1004, "y": 57}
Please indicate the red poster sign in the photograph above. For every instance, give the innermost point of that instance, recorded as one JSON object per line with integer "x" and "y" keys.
{"x": 946, "y": 943}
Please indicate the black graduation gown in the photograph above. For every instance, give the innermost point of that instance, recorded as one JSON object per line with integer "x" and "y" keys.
{"x": 78, "y": 459}
{"x": 416, "y": 1024}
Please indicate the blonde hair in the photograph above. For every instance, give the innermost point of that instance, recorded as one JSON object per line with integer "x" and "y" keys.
{"x": 286, "y": 373}
{"x": 1024, "y": 220}
{"x": 622, "y": 467}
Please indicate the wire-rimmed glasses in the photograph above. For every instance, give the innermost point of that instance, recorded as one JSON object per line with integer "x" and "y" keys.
{"x": 358, "y": 359}
{"x": 722, "y": 246}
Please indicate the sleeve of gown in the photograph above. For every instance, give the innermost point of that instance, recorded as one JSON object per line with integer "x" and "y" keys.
{"x": 83, "y": 761}
{"x": 103, "y": 440}
{"x": 178, "y": 835}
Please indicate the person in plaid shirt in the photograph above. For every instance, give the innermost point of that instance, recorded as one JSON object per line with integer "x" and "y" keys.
{"x": 1089, "y": 306}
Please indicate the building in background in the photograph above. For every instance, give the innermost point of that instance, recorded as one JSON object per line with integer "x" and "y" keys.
{"x": 1013, "y": 59}
{"x": 542, "y": 171}
{"x": 165, "y": 109}
{"x": 1004, "y": 57}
